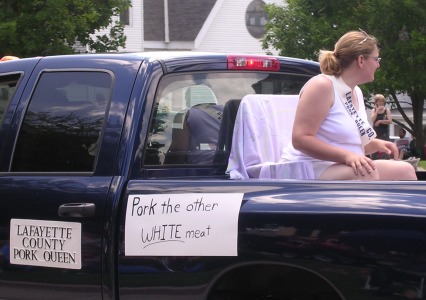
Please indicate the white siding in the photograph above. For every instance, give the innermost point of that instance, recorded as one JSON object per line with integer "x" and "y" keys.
{"x": 134, "y": 31}
{"x": 223, "y": 31}
{"x": 227, "y": 31}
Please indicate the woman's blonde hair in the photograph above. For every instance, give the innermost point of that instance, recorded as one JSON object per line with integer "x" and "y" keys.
{"x": 379, "y": 97}
{"x": 348, "y": 47}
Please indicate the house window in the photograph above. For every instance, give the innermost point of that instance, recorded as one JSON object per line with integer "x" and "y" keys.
{"x": 256, "y": 19}
{"x": 125, "y": 16}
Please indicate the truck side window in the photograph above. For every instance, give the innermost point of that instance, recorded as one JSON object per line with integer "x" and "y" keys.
{"x": 62, "y": 125}
{"x": 7, "y": 88}
{"x": 194, "y": 115}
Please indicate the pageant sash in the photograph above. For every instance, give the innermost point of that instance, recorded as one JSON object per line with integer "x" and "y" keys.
{"x": 345, "y": 94}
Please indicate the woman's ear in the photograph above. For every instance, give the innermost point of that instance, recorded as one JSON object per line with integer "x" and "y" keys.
{"x": 361, "y": 60}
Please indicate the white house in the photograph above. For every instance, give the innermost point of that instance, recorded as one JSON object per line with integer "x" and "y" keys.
{"x": 196, "y": 25}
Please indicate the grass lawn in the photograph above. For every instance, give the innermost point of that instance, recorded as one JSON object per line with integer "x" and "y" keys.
{"x": 422, "y": 164}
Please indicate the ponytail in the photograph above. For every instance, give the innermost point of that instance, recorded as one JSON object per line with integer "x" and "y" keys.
{"x": 329, "y": 64}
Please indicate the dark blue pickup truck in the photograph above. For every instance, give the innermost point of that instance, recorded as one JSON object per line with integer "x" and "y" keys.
{"x": 113, "y": 185}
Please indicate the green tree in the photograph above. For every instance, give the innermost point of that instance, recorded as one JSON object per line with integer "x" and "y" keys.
{"x": 49, "y": 27}
{"x": 300, "y": 28}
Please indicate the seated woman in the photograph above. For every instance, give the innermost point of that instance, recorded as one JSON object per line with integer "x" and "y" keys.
{"x": 331, "y": 129}
{"x": 403, "y": 144}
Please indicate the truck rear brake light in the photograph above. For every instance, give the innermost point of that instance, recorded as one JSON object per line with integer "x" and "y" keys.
{"x": 253, "y": 62}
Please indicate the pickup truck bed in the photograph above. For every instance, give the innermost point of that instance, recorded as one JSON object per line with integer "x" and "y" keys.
{"x": 113, "y": 186}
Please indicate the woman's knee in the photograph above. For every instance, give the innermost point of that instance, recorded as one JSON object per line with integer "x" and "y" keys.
{"x": 407, "y": 171}
{"x": 396, "y": 170}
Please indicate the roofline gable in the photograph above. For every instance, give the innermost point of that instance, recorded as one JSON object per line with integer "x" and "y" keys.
{"x": 207, "y": 23}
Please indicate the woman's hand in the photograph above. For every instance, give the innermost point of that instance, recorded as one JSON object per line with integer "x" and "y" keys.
{"x": 360, "y": 164}
{"x": 389, "y": 148}
{"x": 380, "y": 109}
{"x": 382, "y": 146}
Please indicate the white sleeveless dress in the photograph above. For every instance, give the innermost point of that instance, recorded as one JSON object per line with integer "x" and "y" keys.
{"x": 338, "y": 129}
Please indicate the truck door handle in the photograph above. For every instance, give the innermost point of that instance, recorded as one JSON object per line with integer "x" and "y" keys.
{"x": 77, "y": 210}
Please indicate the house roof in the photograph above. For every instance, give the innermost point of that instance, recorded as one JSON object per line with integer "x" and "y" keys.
{"x": 189, "y": 15}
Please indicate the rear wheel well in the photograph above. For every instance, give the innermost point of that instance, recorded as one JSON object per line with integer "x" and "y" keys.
{"x": 272, "y": 281}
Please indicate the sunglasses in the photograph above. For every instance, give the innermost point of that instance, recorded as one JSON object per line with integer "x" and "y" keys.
{"x": 378, "y": 59}
{"x": 366, "y": 36}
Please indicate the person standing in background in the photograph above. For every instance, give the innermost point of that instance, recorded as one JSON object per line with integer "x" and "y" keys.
{"x": 381, "y": 118}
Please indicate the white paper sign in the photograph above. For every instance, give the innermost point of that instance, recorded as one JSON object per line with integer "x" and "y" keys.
{"x": 182, "y": 224}
{"x": 45, "y": 243}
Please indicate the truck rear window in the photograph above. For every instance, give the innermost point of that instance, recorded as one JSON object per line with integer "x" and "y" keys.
{"x": 194, "y": 114}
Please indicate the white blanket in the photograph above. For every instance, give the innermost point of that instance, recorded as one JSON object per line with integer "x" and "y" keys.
{"x": 263, "y": 127}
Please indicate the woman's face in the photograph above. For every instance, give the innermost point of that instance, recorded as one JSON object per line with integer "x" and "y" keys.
{"x": 380, "y": 103}
{"x": 371, "y": 65}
